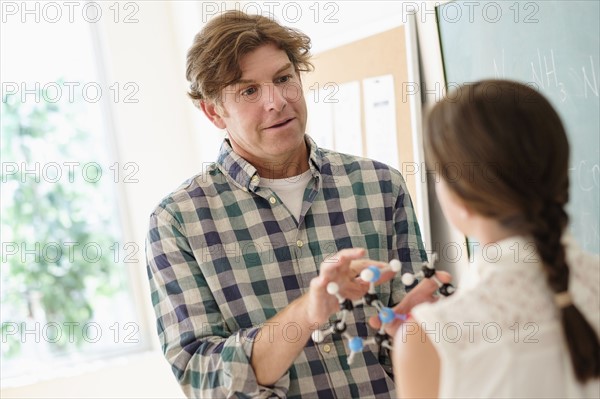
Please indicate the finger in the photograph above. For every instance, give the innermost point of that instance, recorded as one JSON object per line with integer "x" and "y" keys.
{"x": 346, "y": 289}
{"x": 362, "y": 283}
{"x": 344, "y": 256}
{"x": 443, "y": 276}
{"x": 386, "y": 276}
{"x": 353, "y": 289}
{"x": 404, "y": 306}
{"x": 390, "y": 328}
{"x": 353, "y": 292}
{"x": 358, "y": 265}
{"x": 430, "y": 285}
{"x": 423, "y": 292}
{"x": 335, "y": 264}
{"x": 374, "y": 322}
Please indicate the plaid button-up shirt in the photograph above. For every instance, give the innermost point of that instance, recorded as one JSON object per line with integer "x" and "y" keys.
{"x": 225, "y": 255}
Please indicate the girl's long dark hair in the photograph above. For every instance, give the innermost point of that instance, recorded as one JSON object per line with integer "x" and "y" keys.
{"x": 502, "y": 148}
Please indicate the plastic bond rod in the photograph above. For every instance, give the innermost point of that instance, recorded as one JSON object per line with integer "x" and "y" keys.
{"x": 343, "y": 320}
{"x": 401, "y": 316}
{"x": 437, "y": 281}
{"x": 358, "y": 302}
{"x": 378, "y": 305}
{"x": 433, "y": 258}
{"x": 355, "y": 344}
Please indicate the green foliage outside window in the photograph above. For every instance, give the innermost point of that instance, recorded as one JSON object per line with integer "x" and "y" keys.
{"x": 45, "y": 215}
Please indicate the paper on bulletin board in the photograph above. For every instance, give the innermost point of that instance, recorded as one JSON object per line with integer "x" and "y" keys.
{"x": 320, "y": 118}
{"x": 347, "y": 119}
{"x": 380, "y": 119}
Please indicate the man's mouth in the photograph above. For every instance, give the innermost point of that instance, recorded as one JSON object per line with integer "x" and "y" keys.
{"x": 280, "y": 123}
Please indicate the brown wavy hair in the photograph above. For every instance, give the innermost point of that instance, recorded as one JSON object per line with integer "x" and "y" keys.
{"x": 502, "y": 148}
{"x": 213, "y": 59}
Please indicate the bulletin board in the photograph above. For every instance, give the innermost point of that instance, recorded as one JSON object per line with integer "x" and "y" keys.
{"x": 381, "y": 54}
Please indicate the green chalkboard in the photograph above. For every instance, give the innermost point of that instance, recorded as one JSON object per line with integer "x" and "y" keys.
{"x": 553, "y": 45}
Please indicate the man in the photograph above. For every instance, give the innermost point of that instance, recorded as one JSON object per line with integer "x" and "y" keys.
{"x": 239, "y": 257}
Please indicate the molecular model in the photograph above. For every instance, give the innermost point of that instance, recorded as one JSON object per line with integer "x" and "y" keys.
{"x": 372, "y": 274}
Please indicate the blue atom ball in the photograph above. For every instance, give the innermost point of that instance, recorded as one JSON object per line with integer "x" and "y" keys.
{"x": 356, "y": 344}
{"x": 376, "y": 273}
{"x": 386, "y": 315}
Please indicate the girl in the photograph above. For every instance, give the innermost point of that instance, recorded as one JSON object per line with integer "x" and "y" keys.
{"x": 529, "y": 325}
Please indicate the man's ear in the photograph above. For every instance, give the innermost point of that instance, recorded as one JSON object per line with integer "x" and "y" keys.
{"x": 212, "y": 112}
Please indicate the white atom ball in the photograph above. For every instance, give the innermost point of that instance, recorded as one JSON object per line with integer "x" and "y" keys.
{"x": 332, "y": 288}
{"x": 367, "y": 275}
{"x": 408, "y": 279}
{"x": 395, "y": 265}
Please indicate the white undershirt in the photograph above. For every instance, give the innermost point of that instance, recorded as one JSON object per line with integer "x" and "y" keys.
{"x": 290, "y": 190}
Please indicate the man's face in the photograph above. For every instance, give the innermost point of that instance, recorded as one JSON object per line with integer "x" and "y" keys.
{"x": 265, "y": 112}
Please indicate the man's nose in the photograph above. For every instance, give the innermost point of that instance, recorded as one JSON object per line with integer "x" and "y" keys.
{"x": 275, "y": 98}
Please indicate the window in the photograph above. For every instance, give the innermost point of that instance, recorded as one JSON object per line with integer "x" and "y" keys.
{"x": 65, "y": 294}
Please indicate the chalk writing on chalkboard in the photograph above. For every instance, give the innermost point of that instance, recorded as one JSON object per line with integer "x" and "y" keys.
{"x": 556, "y": 50}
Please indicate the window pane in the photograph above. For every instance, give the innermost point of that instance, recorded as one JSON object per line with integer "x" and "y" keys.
{"x": 65, "y": 289}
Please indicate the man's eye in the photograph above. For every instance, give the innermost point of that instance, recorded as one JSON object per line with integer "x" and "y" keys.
{"x": 284, "y": 79}
{"x": 249, "y": 91}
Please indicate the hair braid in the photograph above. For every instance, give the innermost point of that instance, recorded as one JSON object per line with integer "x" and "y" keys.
{"x": 582, "y": 341}
{"x": 547, "y": 232}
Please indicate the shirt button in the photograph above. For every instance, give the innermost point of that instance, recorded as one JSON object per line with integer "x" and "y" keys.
{"x": 299, "y": 243}
{"x": 273, "y": 200}
{"x": 326, "y": 348}
{"x": 255, "y": 179}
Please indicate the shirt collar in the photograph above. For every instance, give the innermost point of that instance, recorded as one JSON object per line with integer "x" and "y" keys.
{"x": 246, "y": 176}
{"x": 516, "y": 254}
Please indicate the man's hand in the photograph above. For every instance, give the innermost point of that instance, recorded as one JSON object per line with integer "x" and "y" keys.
{"x": 342, "y": 269}
{"x": 310, "y": 310}
{"x": 423, "y": 292}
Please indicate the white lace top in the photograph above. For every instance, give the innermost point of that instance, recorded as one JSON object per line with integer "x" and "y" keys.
{"x": 502, "y": 336}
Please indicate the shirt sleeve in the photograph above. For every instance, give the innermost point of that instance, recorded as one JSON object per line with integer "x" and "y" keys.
{"x": 207, "y": 359}
{"x": 407, "y": 243}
